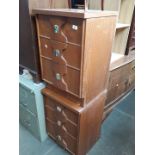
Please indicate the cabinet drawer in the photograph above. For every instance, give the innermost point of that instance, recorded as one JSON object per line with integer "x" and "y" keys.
{"x": 61, "y": 53}
{"x": 27, "y": 99}
{"x": 59, "y": 109}
{"x": 60, "y": 119}
{"x": 61, "y": 28}
{"x": 60, "y": 76}
{"x": 121, "y": 74}
{"x": 132, "y": 68}
{"x": 29, "y": 120}
{"x": 116, "y": 91}
{"x": 65, "y": 140}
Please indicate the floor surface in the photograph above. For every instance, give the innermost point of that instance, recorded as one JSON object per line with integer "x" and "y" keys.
{"x": 117, "y": 135}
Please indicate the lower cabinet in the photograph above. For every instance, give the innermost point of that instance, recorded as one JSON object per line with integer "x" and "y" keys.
{"x": 73, "y": 127}
{"x": 31, "y": 107}
{"x": 121, "y": 81}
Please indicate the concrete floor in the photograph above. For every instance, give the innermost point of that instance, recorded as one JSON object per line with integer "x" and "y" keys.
{"x": 117, "y": 135}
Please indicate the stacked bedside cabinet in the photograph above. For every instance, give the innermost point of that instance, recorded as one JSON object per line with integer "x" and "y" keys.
{"x": 75, "y": 50}
{"x": 31, "y": 108}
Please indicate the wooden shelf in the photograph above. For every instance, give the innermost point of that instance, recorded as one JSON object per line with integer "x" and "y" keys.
{"x": 125, "y": 10}
{"x": 115, "y": 56}
{"x": 118, "y": 60}
{"x": 121, "y": 25}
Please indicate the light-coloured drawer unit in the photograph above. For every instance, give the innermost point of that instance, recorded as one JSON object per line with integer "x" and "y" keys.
{"x": 31, "y": 107}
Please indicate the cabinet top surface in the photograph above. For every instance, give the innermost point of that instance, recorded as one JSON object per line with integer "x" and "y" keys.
{"x": 76, "y": 13}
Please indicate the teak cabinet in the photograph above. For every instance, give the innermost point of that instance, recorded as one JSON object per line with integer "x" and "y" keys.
{"x": 75, "y": 51}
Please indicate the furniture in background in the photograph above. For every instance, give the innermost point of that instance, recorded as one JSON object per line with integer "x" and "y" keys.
{"x": 31, "y": 107}
{"x": 122, "y": 66}
{"x": 75, "y": 69}
{"x": 131, "y": 38}
{"x": 125, "y": 9}
{"x": 121, "y": 80}
{"x": 93, "y": 5}
{"x": 28, "y": 47}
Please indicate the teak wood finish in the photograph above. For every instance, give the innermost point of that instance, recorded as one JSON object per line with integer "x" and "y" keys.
{"x": 81, "y": 62}
{"x": 75, "y": 51}
{"x": 71, "y": 126}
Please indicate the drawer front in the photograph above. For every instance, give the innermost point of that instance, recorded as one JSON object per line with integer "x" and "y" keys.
{"x": 116, "y": 91}
{"x": 66, "y": 141}
{"x": 65, "y": 54}
{"x": 27, "y": 99}
{"x": 71, "y": 116}
{"x": 29, "y": 121}
{"x": 132, "y": 68}
{"x": 121, "y": 74}
{"x": 61, "y": 120}
{"x": 61, "y": 29}
{"x": 60, "y": 76}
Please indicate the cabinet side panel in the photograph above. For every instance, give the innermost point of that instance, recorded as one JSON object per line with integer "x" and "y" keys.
{"x": 90, "y": 124}
{"x": 99, "y": 37}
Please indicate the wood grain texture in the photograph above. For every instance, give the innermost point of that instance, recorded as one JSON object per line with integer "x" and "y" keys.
{"x": 76, "y": 126}
{"x": 47, "y": 4}
{"x": 90, "y": 126}
{"x": 95, "y": 5}
{"x": 76, "y": 13}
{"x": 80, "y": 92}
{"x": 120, "y": 41}
{"x": 93, "y": 57}
{"x": 60, "y": 4}
{"x": 121, "y": 80}
{"x": 97, "y": 57}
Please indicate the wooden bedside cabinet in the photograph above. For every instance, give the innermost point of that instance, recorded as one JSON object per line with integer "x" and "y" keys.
{"x": 74, "y": 128}
{"x": 75, "y": 50}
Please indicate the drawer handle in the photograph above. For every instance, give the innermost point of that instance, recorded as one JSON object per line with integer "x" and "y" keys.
{"x": 59, "y": 123}
{"x": 59, "y": 109}
{"x": 64, "y": 115}
{"x": 133, "y": 68}
{"x": 25, "y": 104}
{"x": 56, "y": 53}
{"x": 32, "y": 92}
{"x": 64, "y": 128}
{"x": 58, "y": 76}
{"x": 56, "y": 28}
{"x": 28, "y": 123}
{"x": 59, "y": 138}
{"x": 64, "y": 144}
